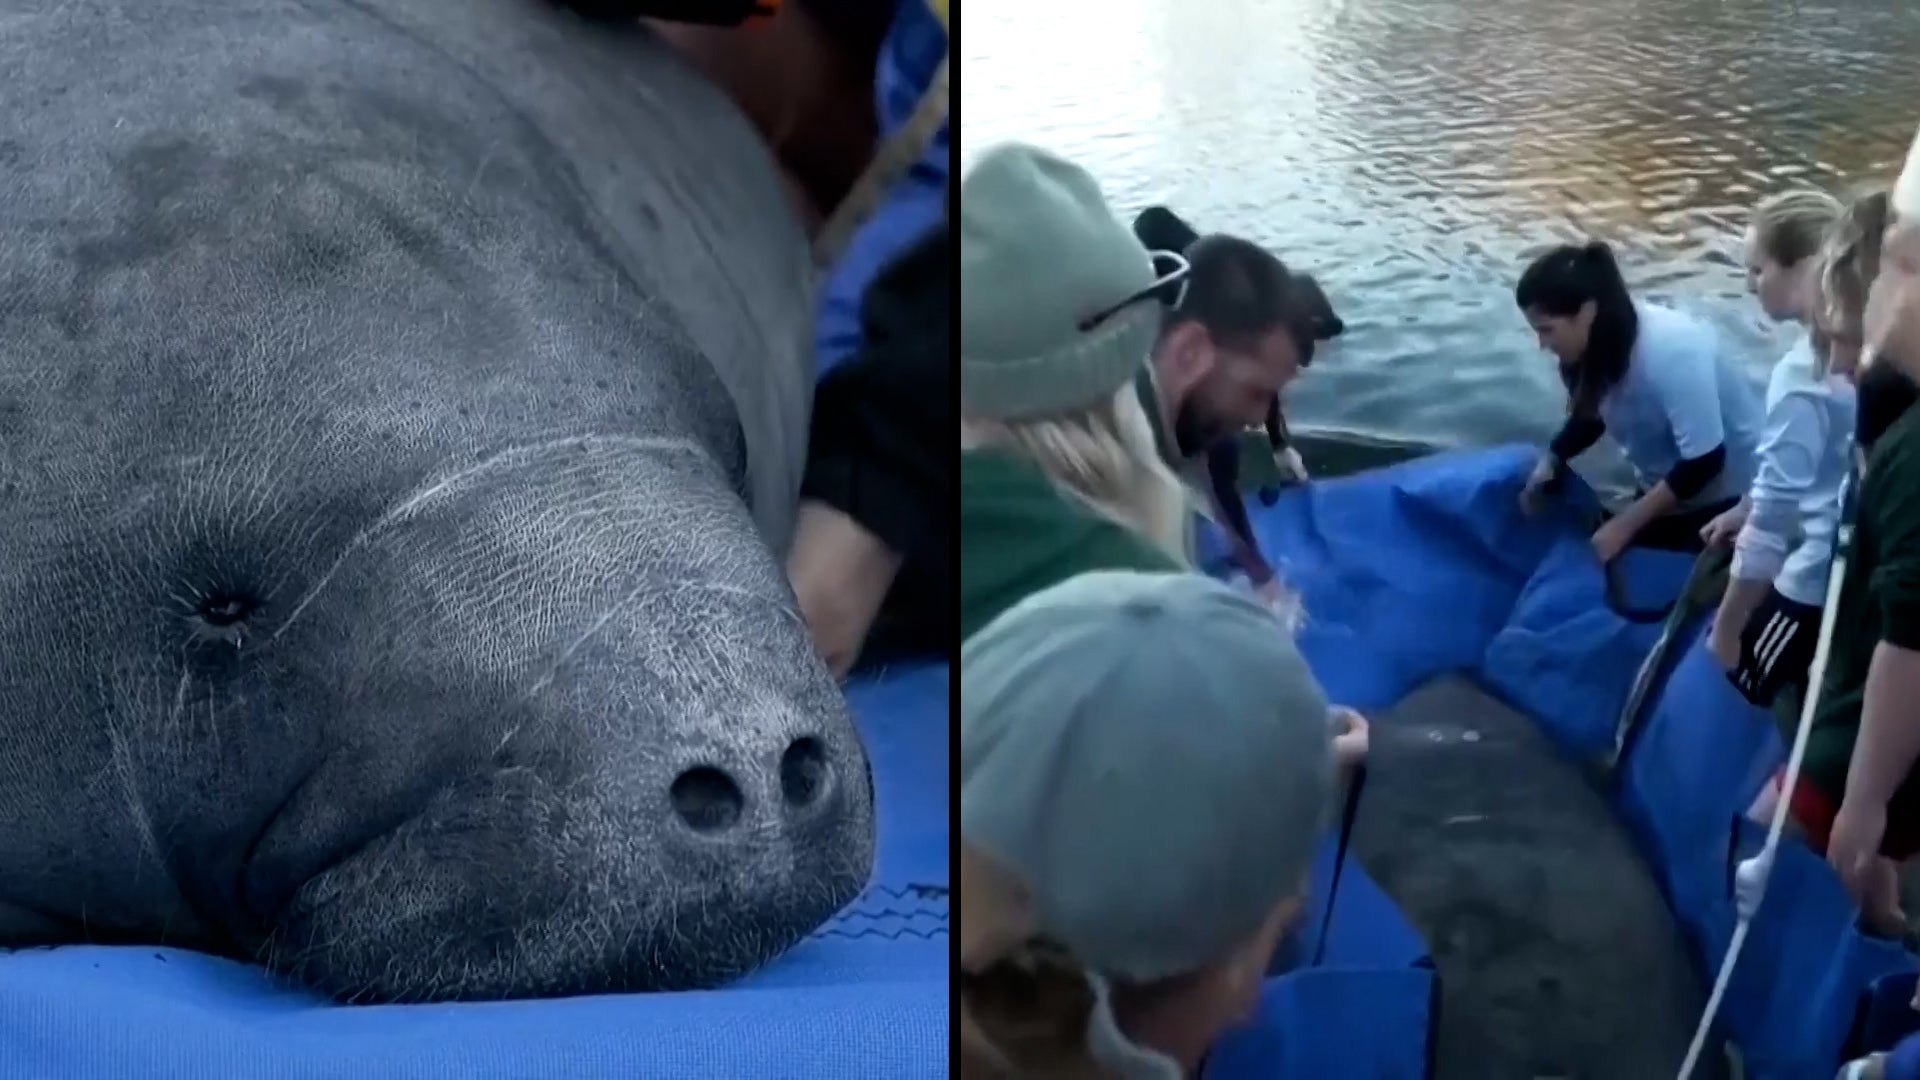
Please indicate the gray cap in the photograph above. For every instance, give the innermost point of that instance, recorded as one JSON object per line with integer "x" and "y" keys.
{"x": 1151, "y": 757}
{"x": 1040, "y": 251}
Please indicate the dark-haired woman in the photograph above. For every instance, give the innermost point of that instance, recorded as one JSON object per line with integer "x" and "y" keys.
{"x": 1656, "y": 381}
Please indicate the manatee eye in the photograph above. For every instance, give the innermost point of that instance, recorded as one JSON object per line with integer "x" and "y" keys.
{"x": 225, "y": 610}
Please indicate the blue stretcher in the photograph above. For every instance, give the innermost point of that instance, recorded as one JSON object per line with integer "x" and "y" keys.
{"x": 1427, "y": 568}
{"x": 1408, "y": 573}
{"x": 869, "y": 988}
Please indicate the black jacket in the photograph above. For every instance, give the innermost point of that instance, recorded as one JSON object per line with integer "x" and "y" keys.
{"x": 882, "y": 446}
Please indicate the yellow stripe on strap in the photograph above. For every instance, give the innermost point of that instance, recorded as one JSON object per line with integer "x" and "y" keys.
{"x": 940, "y": 11}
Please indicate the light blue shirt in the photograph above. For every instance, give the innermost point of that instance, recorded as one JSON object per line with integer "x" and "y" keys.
{"x": 1679, "y": 399}
{"x": 1804, "y": 460}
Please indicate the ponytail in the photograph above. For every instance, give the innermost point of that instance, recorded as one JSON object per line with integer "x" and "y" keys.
{"x": 1849, "y": 260}
{"x": 1027, "y": 1014}
{"x": 1560, "y": 283}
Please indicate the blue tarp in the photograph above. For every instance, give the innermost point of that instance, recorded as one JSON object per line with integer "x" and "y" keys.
{"x": 867, "y": 994}
{"x": 1358, "y": 1004}
{"x": 1428, "y": 568}
{"x": 913, "y": 49}
{"x": 1408, "y": 574}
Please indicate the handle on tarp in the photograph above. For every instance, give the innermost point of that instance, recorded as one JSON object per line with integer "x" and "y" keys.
{"x": 1617, "y": 599}
{"x": 1349, "y": 812}
{"x": 1790, "y": 779}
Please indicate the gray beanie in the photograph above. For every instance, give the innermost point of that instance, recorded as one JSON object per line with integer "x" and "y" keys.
{"x": 1040, "y": 251}
{"x": 1149, "y": 755}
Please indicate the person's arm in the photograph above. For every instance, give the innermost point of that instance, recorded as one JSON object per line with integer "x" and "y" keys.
{"x": 1223, "y": 476}
{"x": 1889, "y": 742}
{"x": 1574, "y": 438}
{"x": 879, "y": 474}
{"x": 1688, "y": 382}
{"x": 1791, "y": 448}
{"x": 1278, "y": 437}
{"x": 880, "y": 448}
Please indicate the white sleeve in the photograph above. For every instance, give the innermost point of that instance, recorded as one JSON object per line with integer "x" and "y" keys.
{"x": 1791, "y": 449}
{"x": 1686, "y": 375}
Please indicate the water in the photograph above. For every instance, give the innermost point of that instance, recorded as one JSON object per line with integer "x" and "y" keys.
{"x": 1413, "y": 153}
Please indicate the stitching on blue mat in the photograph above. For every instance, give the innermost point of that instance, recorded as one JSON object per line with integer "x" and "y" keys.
{"x": 890, "y": 935}
{"x": 904, "y": 892}
{"x": 912, "y": 903}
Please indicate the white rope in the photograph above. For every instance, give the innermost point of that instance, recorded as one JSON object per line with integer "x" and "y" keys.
{"x": 890, "y": 162}
{"x": 1750, "y": 880}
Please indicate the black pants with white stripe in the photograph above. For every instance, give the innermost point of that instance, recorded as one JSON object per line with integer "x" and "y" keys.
{"x": 1776, "y": 648}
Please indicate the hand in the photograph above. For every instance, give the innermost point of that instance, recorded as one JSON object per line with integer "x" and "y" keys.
{"x": 1291, "y": 465}
{"x": 1725, "y": 526}
{"x": 1610, "y": 539}
{"x": 1349, "y": 737}
{"x": 1282, "y": 601}
{"x": 840, "y": 574}
{"x": 1853, "y": 848}
{"x": 1533, "y": 495}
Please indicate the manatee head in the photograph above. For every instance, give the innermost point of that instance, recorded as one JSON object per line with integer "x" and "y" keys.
{"x": 386, "y": 589}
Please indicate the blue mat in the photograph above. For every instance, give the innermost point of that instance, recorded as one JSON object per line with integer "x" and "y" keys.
{"x": 1429, "y": 568}
{"x": 866, "y": 994}
{"x": 914, "y": 47}
{"x": 1372, "y": 976}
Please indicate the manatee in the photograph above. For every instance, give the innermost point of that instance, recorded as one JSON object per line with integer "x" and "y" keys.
{"x": 402, "y": 407}
{"x": 1556, "y": 952}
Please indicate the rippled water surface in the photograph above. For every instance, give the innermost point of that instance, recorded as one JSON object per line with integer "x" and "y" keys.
{"x": 1412, "y": 153}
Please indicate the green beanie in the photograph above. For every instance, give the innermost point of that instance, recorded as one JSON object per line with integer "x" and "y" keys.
{"x": 1040, "y": 251}
{"x": 1152, "y": 757}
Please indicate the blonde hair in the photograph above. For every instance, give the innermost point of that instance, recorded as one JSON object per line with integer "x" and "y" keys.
{"x": 1106, "y": 458}
{"x": 1849, "y": 261}
{"x": 1790, "y": 225}
{"x": 1027, "y": 1015}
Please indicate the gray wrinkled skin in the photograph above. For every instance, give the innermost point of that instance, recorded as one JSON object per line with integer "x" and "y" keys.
{"x": 398, "y": 403}
{"x": 1556, "y": 952}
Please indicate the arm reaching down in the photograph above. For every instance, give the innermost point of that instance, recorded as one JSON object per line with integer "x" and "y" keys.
{"x": 1688, "y": 383}
{"x": 876, "y": 499}
{"x": 1888, "y": 744}
{"x": 1223, "y": 476}
{"x": 1574, "y": 438}
{"x": 1790, "y": 453}
{"x": 1791, "y": 450}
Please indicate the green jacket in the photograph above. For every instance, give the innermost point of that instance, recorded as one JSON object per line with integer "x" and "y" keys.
{"x": 1019, "y": 535}
{"x": 1880, "y": 598}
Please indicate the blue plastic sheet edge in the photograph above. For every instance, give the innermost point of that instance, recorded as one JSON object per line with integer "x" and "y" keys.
{"x": 1518, "y": 603}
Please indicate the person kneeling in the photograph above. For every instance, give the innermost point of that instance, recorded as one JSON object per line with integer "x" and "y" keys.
{"x": 1658, "y": 382}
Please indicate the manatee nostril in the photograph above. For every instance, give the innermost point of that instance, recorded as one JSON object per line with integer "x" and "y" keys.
{"x": 707, "y": 799}
{"x": 804, "y": 772}
{"x": 225, "y": 610}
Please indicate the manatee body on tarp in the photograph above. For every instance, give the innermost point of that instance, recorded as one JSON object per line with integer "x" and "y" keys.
{"x": 1556, "y": 952}
{"x": 402, "y": 404}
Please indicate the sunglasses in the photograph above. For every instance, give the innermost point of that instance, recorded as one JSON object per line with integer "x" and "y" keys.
{"x": 1169, "y": 288}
